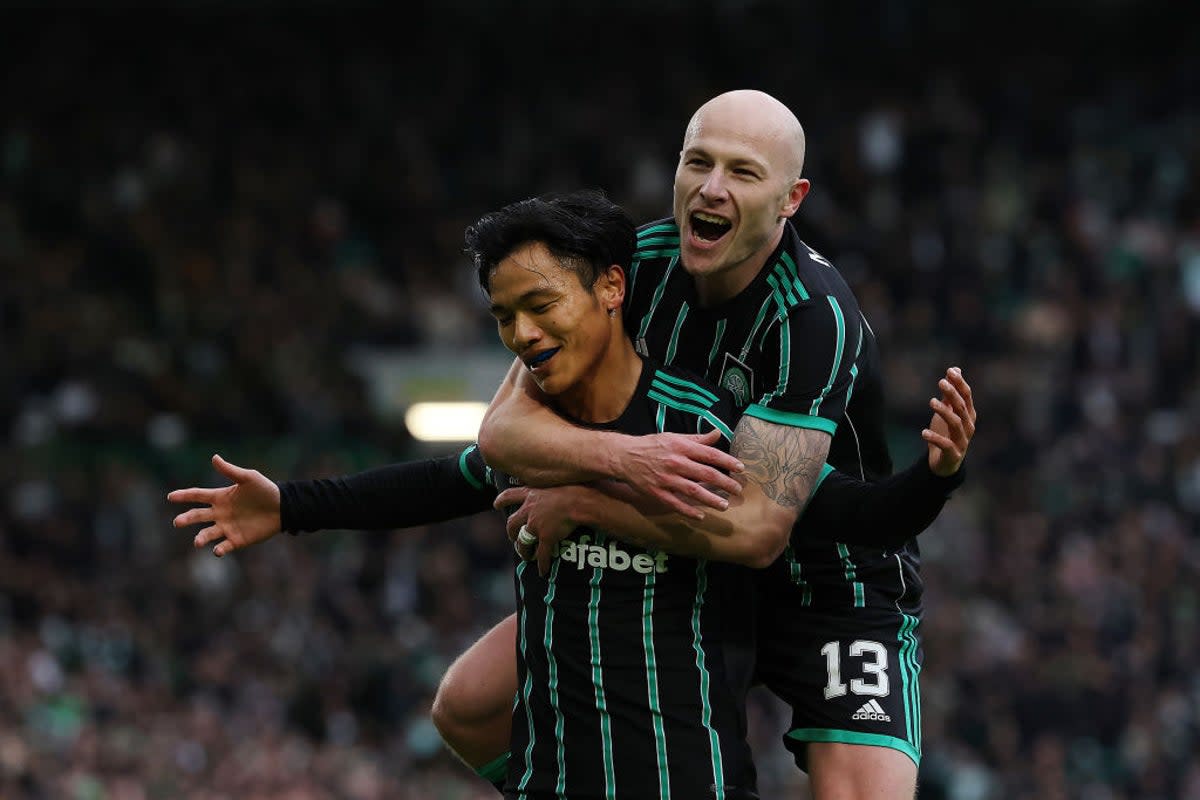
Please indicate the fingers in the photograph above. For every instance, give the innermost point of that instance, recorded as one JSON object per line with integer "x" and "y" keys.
{"x": 545, "y": 551}
{"x": 231, "y": 471}
{"x": 207, "y": 536}
{"x": 946, "y": 447}
{"x": 677, "y": 504}
{"x": 701, "y": 474}
{"x": 192, "y": 495}
{"x": 526, "y": 543}
{"x": 195, "y": 516}
{"x": 963, "y": 389}
{"x": 513, "y": 496}
{"x": 942, "y": 442}
{"x": 700, "y": 497}
{"x": 963, "y": 410}
{"x": 953, "y": 420}
{"x": 951, "y": 397}
{"x": 698, "y": 447}
{"x": 514, "y": 523}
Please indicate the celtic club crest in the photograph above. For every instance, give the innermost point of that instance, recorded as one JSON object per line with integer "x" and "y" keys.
{"x": 738, "y": 379}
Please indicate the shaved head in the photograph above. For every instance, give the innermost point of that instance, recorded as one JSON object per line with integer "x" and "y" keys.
{"x": 737, "y": 183}
{"x": 756, "y": 117}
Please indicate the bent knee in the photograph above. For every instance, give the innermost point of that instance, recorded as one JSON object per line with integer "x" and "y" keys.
{"x": 445, "y": 712}
{"x": 465, "y": 701}
{"x": 478, "y": 688}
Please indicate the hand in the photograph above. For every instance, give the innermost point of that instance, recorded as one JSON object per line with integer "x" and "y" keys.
{"x": 681, "y": 470}
{"x": 243, "y": 514}
{"x": 547, "y": 515}
{"x": 953, "y": 424}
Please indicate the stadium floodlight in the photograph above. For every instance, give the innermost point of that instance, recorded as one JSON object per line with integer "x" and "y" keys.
{"x": 444, "y": 422}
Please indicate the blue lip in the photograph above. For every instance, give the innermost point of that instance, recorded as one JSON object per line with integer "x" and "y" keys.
{"x": 541, "y": 358}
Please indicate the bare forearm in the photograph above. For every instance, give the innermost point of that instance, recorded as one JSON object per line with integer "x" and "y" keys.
{"x": 741, "y": 534}
{"x": 522, "y": 436}
{"x": 616, "y": 510}
{"x": 783, "y": 465}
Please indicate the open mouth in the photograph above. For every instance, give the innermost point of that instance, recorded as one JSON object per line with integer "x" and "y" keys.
{"x": 709, "y": 227}
{"x": 541, "y": 358}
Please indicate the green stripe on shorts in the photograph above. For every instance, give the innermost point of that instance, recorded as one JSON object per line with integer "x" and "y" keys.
{"x": 856, "y": 737}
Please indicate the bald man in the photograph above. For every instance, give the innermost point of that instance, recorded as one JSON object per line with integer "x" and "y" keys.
{"x": 727, "y": 289}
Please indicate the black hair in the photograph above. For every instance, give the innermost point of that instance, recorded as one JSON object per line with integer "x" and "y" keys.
{"x": 583, "y": 229}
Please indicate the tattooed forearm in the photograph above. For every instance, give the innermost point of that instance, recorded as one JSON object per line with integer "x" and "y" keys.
{"x": 784, "y": 461}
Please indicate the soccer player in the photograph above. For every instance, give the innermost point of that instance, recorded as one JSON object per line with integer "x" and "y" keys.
{"x": 632, "y": 662}
{"x": 629, "y": 654}
{"x": 727, "y": 289}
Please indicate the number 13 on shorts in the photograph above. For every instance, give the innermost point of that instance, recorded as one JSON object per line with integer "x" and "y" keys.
{"x": 874, "y": 682}
{"x": 868, "y": 695}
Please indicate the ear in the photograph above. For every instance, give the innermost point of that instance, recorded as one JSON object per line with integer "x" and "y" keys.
{"x": 610, "y": 288}
{"x": 795, "y": 197}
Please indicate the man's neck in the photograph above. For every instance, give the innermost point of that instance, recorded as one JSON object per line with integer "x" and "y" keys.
{"x": 605, "y": 394}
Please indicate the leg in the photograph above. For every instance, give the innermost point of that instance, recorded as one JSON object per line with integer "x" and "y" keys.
{"x": 839, "y": 771}
{"x": 473, "y": 706}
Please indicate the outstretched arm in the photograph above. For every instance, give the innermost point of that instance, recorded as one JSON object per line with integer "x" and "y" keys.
{"x": 523, "y": 436}
{"x": 253, "y": 508}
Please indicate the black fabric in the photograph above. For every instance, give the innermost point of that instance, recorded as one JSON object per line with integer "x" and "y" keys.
{"x": 885, "y": 514}
{"x": 395, "y": 496}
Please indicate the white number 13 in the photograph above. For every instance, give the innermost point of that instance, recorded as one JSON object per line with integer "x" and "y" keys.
{"x": 875, "y": 667}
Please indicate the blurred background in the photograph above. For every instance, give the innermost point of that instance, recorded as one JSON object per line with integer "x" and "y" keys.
{"x": 241, "y": 231}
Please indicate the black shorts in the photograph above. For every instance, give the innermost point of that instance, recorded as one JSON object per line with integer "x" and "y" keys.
{"x": 838, "y": 642}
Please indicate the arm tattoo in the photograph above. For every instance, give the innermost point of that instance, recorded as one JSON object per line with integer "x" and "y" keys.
{"x": 783, "y": 460}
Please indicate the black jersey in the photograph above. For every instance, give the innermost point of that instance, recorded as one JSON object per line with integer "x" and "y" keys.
{"x": 633, "y": 664}
{"x": 794, "y": 349}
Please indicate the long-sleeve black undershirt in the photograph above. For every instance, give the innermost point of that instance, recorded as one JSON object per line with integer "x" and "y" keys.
{"x": 394, "y": 496}
{"x": 885, "y": 513}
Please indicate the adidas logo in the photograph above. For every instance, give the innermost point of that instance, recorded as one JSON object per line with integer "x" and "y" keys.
{"x": 873, "y": 711}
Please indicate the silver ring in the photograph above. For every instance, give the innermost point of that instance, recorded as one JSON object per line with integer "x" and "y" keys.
{"x": 526, "y": 537}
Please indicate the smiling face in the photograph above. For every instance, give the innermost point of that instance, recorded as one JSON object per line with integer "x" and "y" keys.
{"x": 559, "y": 329}
{"x": 738, "y": 178}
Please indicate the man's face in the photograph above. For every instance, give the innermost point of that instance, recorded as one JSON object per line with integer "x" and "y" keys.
{"x": 732, "y": 186}
{"x": 545, "y": 316}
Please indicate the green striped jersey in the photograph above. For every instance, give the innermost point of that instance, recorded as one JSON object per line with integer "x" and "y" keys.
{"x": 633, "y": 664}
{"x": 793, "y": 348}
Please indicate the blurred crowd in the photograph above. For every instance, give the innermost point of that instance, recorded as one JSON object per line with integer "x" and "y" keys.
{"x": 201, "y": 221}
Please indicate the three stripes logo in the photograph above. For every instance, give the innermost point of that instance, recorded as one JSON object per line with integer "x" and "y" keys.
{"x": 873, "y": 711}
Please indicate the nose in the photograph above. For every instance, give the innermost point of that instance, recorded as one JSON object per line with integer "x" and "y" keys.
{"x": 525, "y": 332}
{"x": 713, "y": 187}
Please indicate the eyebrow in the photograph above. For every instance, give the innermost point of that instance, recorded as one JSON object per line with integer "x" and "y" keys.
{"x": 523, "y": 299}
{"x": 737, "y": 161}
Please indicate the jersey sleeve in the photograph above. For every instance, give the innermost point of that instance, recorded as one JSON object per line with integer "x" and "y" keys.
{"x": 395, "y": 496}
{"x": 697, "y": 405}
{"x": 812, "y": 351}
{"x": 723, "y": 415}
